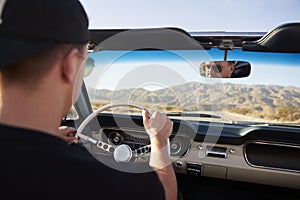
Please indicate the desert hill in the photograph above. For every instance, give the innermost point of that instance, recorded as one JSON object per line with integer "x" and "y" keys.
{"x": 270, "y": 102}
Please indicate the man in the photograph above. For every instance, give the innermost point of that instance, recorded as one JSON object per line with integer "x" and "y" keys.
{"x": 42, "y": 53}
{"x": 219, "y": 69}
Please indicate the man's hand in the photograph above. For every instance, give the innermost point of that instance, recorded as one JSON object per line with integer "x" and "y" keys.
{"x": 159, "y": 126}
{"x": 67, "y": 134}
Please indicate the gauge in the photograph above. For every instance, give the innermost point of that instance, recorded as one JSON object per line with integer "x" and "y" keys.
{"x": 175, "y": 146}
{"x": 116, "y": 138}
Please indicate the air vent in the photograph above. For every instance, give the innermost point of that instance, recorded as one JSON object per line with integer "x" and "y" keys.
{"x": 216, "y": 151}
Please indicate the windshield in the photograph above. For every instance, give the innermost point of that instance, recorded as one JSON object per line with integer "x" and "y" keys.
{"x": 170, "y": 81}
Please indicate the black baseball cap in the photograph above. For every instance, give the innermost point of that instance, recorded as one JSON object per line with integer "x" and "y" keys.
{"x": 30, "y": 26}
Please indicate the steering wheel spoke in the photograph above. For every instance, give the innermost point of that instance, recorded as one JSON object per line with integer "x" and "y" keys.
{"x": 106, "y": 147}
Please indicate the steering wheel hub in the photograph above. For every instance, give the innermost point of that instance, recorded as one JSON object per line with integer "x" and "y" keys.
{"x": 122, "y": 153}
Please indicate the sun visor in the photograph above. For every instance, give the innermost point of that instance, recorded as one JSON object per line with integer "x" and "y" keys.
{"x": 283, "y": 39}
{"x": 146, "y": 39}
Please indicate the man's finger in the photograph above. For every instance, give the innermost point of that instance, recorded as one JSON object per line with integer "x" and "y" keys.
{"x": 145, "y": 115}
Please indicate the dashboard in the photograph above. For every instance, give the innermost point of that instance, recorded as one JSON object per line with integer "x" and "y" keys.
{"x": 257, "y": 154}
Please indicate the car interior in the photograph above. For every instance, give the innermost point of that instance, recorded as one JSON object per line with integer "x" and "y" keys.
{"x": 213, "y": 154}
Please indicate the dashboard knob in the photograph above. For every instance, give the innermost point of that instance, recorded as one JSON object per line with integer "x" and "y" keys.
{"x": 116, "y": 138}
{"x": 122, "y": 153}
{"x": 175, "y": 147}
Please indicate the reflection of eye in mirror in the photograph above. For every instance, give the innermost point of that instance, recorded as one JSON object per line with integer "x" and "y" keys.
{"x": 225, "y": 69}
{"x": 89, "y": 65}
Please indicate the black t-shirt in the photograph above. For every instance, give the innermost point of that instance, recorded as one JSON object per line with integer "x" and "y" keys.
{"x": 36, "y": 165}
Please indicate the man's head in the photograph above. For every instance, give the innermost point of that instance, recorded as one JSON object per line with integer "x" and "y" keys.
{"x": 30, "y": 26}
{"x": 219, "y": 69}
{"x": 40, "y": 36}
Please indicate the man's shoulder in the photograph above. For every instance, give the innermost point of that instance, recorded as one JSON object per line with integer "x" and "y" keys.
{"x": 35, "y": 144}
{"x": 9, "y": 132}
{"x": 46, "y": 159}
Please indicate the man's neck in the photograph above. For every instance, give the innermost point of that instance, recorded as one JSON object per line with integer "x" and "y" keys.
{"x": 27, "y": 109}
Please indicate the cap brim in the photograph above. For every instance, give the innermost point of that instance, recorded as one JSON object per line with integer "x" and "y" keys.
{"x": 13, "y": 51}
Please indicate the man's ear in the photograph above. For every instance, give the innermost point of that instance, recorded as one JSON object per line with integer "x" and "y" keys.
{"x": 70, "y": 66}
{"x": 232, "y": 67}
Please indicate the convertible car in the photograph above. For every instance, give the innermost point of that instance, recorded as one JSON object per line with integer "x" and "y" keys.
{"x": 235, "y": 136}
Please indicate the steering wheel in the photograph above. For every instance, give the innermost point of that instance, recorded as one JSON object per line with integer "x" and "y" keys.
{"x": 121, "y": 153}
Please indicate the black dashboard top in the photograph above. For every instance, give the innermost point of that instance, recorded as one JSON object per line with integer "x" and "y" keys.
{"x": 221, "y": 132}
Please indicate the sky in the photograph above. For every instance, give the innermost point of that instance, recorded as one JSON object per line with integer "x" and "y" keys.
{"x": 192, "y": 16}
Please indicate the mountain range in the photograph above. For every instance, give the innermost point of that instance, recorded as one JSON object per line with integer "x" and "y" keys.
{"x": 270, "y": 102}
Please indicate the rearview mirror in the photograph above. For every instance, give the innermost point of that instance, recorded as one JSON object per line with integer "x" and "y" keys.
{"x": 225, "y": 69}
